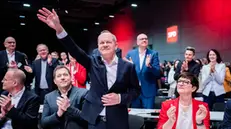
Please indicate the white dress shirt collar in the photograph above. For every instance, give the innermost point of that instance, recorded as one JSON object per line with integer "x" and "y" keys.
{"x": 114, "y": 61}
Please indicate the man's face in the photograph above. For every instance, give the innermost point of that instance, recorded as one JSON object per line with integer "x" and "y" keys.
{"x": 106, "y": 45}
{"x": 63, "y": 56}
{"x": 42, "y": 51}
{"x": 142, "y": 40}
{"x": 10, "y": 43}
{"x": 189, "y": 55}
{"x": 8, "y": 81}
{"x": 54, "y": 55}
{"x": 62, "y": 78}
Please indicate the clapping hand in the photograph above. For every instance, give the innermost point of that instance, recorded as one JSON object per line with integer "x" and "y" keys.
{"x": 148, "y": 60}
{"x": 63, "y": 103}
{"x": 171, "y": 113}
{"x": 201, "y": 113}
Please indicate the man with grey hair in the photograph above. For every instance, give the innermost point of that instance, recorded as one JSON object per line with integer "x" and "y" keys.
{"x": 114, "y": 82}
{"x": 10, "y": 58}
{"x": 19, "y": 107}
{"x": 118, "y": 51}
{"x": 42, "y": 70}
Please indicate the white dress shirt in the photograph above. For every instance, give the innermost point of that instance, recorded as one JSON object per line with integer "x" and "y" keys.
{"x": 111, "y": 76}
{"x": 43, "y": 80}
{"x": 11, "y": 57}
{"x": 142, "y": 56}
{"x": 14, "y": 101}
{"x": 213, "y": 81}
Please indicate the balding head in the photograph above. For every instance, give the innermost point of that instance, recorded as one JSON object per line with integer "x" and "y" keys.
{"x": 18, "y": 75}
{"x": 13, "y": 80}
{"x": 10, "y": 43}
{"x": 142, "y": 40}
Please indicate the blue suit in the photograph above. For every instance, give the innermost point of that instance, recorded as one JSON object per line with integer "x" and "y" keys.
{"x": 226, "y": 124}
{"x": 147, "y": 77}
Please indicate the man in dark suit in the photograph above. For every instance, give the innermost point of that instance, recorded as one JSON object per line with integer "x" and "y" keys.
{"x": 10, "y": 58}
{"x": 42, "y": 70}
{"x": 61, "y": 106}
{"x": 114, "y": 83}
{"x": 19, "y": 107}
{"x": 188, "y": 65}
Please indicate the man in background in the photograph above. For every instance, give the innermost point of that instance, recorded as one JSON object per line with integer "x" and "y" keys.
{"x": 10, "y": 58}
{"x": 147, "y": 66}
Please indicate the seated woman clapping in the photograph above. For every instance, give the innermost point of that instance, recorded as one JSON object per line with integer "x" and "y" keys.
{"x": 184, "y": 112}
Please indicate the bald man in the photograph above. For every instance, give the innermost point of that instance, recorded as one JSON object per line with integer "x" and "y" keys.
{"x": 148, "y": 71}
{"x": 19, "y": 107}
{"x": 10, "y": 58}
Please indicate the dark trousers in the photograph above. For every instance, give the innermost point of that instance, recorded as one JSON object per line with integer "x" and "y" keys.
{"x": 212, "y": 98}
{"x": 99, "y": 125}
{"x": 42, "y": 93}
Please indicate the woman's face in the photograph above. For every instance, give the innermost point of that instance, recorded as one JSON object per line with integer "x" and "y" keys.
{"x": 184, "y": 86}
{"x": 212, "y": 56}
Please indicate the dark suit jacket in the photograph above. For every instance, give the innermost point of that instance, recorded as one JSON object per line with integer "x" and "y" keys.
{"x": 126, "y": 84}
{"x": 19, "y": 58}
{"x": 71, "y": 118}
{"x": 96, "y": 52}
{"x": 226, "y": 123}
{"x": 36, "y": 66}
{"x": 25, "y": 116}
{"x": 193, "y": 67}
{"x": 147, "y": 76}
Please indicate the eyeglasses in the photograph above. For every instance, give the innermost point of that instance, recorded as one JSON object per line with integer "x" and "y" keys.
{"x": 185, "y": 82}
{"x": 143, "y": 39}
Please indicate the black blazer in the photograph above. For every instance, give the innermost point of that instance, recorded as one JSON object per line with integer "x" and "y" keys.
{"x": 71, "y": 118}
{"x": 19, "y": 58}
{"x": 96, "y": 52}
{"x": 36, "y": 66}
{"x": 25, "y": 116}
{"x": 193, "y": 67}
{"x": 126, "y": 84}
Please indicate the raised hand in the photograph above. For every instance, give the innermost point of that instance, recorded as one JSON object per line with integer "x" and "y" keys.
{"x": 201, "y": 113}
{"x": 49, "y": 59}
{"x": 51, "y": 19}
{"x": 171, "y": 113}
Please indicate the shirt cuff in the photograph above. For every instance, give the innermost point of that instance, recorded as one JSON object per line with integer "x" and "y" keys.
{"x": 62, "y": 35}
{"x": 119, "y": 98}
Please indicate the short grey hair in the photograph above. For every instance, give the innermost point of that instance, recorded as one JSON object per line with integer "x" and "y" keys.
{"x": 41, "y": 44}
{"x": 107, "y": 31}
{"x": 19, "y": 75}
